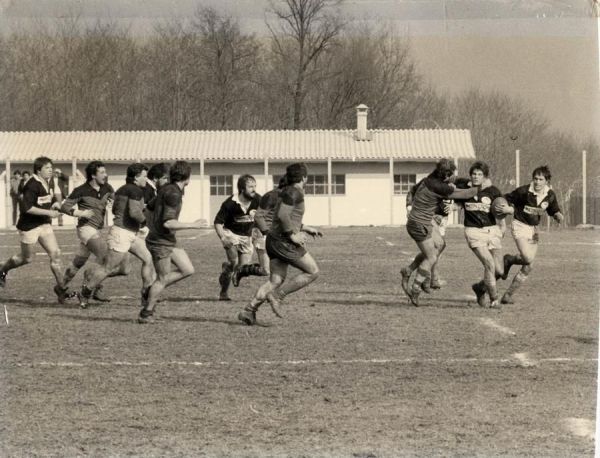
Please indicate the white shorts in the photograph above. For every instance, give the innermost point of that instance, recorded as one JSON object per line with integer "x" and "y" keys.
{"x": 258, "y": 239}
{"x": 524, "y": 231}
{"x": 31, "y": 236}
{"x": 489, "y": 237}
{"x": 441, "y": 225}
{"x": 85, "y": 234}
{"x": 120, "y": 239}
{"x": 242, "y": 243}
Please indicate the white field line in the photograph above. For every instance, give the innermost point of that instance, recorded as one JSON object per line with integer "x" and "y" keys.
{"x": 581, "y": 427}
{"x": 300, "y": 362}
{"x": 524, "y": 360}
{"x": 6, "y": 315}
{"x": 489, "y": 322}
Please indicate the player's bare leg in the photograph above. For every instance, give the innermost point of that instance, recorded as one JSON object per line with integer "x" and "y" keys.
{"x": 166, "y": 276}
{"x": 279, "y": 270}
{"x": 527, "y": 252}
{"x": 440, "y": 244}
{"x": 24, "y": 257}
{"x": 488, "y": 284}
{"x": 227, "y": 272}
{"x": 245, "y": 268}
{"x": 139, "y": 250}
{"x": 50, "y": 245}
{"x": 423, "y": 276}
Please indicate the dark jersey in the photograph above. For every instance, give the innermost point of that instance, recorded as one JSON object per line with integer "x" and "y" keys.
{"x": 441, "y": 208}
{"x": 266, "y": 210}
{"x": 166, "y": 206}
{"x": 478, "y": 208}
{"x": 233, "y": 216}
{"x": 86, "y": 197}
{"x": 149, "y": 193}
{"x": 294, "y": 197}
{"x": 128, "y": 208}
{"x": 529, "y": 206}
{"x": 36, "y": 194}
{"x": 427, "y": 199}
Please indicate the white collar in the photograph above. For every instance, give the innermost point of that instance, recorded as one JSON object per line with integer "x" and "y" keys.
{"x": 151, "y": 184}
{"x": 540, "y": 194}
{"x": 236, "y": 199}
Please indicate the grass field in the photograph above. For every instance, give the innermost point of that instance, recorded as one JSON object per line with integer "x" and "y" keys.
{"x": 352, "y": 369}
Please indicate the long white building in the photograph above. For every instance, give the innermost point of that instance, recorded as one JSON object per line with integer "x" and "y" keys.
{"x": 357, "y": 177}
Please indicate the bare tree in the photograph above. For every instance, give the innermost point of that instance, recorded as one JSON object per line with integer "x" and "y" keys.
{"x": 306, "y": 29}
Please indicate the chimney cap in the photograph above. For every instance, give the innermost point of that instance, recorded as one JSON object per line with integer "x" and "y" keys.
{"x": 362, "y": 108}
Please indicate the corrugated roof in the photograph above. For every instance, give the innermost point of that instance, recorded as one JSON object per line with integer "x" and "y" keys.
{"x": 236, "y": 145}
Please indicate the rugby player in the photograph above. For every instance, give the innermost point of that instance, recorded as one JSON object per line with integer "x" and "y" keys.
{"x": 528, "y": 203}
{"x": 233, "y": 224}
{"x": 484, "y": 234}
{"x": 88, "y": 204}
{"x": 161, "y": 240}
{"x": 38, "y": 208}
{"x": 432, "y": 191}
{"x": 285, "y": 246}
{"x": 128, "y": 211}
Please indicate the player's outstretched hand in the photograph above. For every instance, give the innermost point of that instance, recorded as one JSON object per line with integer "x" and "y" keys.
{"x": 299, "y": 238}
{"x": 312, "y": 231}
{"x": 54, "y": 213}
{"x": 200, "y": 223}
{"x": 507, "y": 209}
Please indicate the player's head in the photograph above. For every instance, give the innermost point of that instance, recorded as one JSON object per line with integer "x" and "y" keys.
{"x": 478, "y": 171}
{"x": 444, "y": 169}
{"x": 26, "y": 175}
{"x": 180, "y": 172}
{"x": 137, "y": 174}
{"x": 43, "y": 167}
{"x": 96, "y": 171}
{"x": 159, "y": 174}
{"x": 246, "y": 186}
{"x": 17, "y": 174}
{"x": 541, "y": 175}
{"x": 296, "y": 173}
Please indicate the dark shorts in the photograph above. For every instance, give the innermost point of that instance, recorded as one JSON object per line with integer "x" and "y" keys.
{"x": 419, "y": 231}
{"x": 284, "y": 250}
{"x": 159, "y": 250}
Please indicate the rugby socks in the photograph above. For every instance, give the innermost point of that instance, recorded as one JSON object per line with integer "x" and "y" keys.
{"x": 10, "y": 264}
{"x": 251, "y": 269}
{"x": 423, "y": 277}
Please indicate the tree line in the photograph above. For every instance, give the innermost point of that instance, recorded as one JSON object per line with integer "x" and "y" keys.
{"x": 310, "y": 72}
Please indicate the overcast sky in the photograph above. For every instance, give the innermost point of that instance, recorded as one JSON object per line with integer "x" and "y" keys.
{"x": 544, "y": 52}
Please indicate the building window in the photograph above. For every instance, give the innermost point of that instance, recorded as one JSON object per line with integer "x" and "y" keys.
{"x": 221, "y": 185}
{"x": 316, "y": 185}
{"x": 403, "y": 183}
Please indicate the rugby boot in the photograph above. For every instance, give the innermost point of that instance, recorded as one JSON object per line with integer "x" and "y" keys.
{"x": 495, "y": 304}
{"x": 84, "y": 297}
{"x": 437, "y": 283}
{"x": 480, "y": 291}
{"x": 248, "y": 317}
{"x": 508, "y": 263}
{"x": 405, "y": 272}
{"x": 147, "y": 317}
{"x": 2, "y": 279}
{"x": 413, "y": 295}
{"x": 507, "y": 299}
{"x": 62, "y": 294}
{"x": 426, "y": 286}
{"x": 99, "y": 295}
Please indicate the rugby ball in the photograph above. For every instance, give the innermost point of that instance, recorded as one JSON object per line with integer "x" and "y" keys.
{"x": 497, "y": 205}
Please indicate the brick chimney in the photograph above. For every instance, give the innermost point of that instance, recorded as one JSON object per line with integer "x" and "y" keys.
{"x": 362, "y": 133}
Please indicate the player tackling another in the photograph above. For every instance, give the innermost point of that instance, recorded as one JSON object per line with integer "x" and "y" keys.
{"x": 528, "y": 203}
{"x": 285, "y": 246}
{"x": 171, "y": 262}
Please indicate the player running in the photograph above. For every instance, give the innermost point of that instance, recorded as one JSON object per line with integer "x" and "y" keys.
{"x": 88, "y": 204}
{"x": 161, "y": 240}
{"x": 38, "y": 208}
{"x": 285, "y": 246}
{"x": 528, "y": 203}
{"x": 432, "y": 191}
{"x": 484, "y": 234}
{"x": 233, "y": 224}
{"x": 122, "y": 238}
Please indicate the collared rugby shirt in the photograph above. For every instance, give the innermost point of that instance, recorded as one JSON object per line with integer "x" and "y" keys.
{"x": 86, "y": 197}
{"x": 530, "y": 206}
{"x": 128, "y": 208}
{"x": 233, "y": 216}
{"x": 39, "y": 194}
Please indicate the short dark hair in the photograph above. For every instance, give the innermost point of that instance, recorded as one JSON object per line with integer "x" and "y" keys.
{"x": 180, "y": 171}
{"x": 542, "y": 170}
{"x": 444, "y": 168}
{"x": 294, "y": 173}
{"x": 92, "y": 168}
{"x": 17, "y": 172}
{"x": 26, "y": 172}
{"x": 158, "y": 171}
{"x": 40, "y": 162}
{"x": 243, "y": 181}
{"x": 135, "y": 170}
{"x": 480, "y": 165}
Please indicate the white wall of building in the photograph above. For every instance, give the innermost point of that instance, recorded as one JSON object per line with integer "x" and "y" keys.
{"x": 368, "y": 199}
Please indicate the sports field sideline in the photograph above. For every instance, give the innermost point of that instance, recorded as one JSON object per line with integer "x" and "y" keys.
{"x": 352, "y": 369}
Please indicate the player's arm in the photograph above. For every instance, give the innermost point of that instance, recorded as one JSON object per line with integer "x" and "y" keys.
{"x": 169, "y": 216}
{"x": 554, "y": 210}
{"x": 135, "y": 207}
{"x": 69, "y": 205}
{"x": 219, "y": 225}
{"x": 313, "y": 231}
{"x": 29, "y": 199}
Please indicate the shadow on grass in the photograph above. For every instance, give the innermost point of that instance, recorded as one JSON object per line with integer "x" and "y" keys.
{"x": 38, "y": 303}
{"x": 424, "y": 301}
